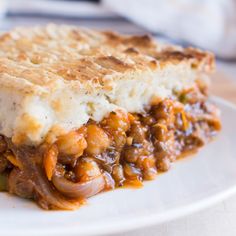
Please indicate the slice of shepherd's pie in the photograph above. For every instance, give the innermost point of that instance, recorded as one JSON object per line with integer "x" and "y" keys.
{"x": 83, "y": 111}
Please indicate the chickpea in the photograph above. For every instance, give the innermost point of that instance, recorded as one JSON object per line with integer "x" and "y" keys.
{"x": 117, "y": 121}
{"x": 86, "y": 169}
{"x": 72, "y": 143}
{"x": 97, "y": 140}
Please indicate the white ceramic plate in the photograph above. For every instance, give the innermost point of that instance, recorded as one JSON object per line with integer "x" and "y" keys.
{"x": 191, "y": 184}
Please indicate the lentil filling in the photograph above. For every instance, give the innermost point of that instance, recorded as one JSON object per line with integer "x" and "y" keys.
{"x": 123, "y": 149}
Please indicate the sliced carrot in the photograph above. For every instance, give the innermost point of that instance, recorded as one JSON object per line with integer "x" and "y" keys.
{"x": 185, "y": 121}
{"x": 50, "y": 161}
{"x": 14, "y": 161}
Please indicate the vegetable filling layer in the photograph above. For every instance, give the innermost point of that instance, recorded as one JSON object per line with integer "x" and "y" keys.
{"x": 123, "y": 149}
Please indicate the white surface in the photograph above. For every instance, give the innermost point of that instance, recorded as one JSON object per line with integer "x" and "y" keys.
{"x": 216, "y": 221}
{"x": 191, "y": 185}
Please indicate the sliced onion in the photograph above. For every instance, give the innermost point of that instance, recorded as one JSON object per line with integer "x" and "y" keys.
{"x": 45, "y": 195}
{"x": 110, "y": 182}
{"x": 44, "y": 192}
{"x": 82, "y": 189}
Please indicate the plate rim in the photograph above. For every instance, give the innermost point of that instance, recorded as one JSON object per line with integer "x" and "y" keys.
{"x": 143, "y": 221}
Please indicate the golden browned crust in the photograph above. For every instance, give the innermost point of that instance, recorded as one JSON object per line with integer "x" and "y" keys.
{"x": 37, "y": 60}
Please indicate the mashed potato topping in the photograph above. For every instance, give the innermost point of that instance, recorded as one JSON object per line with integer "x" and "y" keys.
{"x": 55, "y": 78}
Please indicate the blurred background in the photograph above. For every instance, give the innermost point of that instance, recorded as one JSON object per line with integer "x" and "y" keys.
{"x": 208, "y": 24}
